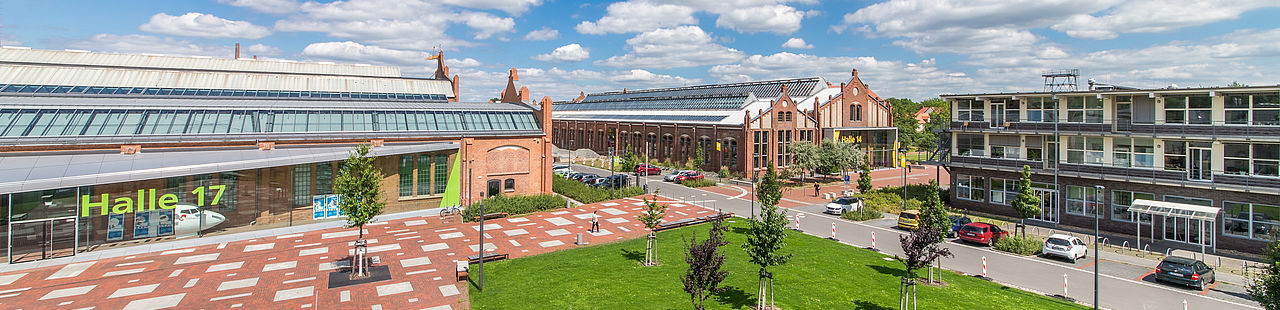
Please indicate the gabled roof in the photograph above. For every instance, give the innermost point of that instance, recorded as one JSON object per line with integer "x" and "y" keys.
{"x": 731, "y": 96}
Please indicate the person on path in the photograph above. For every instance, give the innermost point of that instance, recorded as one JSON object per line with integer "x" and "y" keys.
{"x": 815, "y": 189}
{"x": 595, "y": 221}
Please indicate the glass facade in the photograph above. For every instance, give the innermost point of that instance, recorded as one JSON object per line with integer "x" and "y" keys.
{"x": 220, "y": 93}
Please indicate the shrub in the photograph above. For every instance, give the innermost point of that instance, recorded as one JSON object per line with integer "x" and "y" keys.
{"x": 786, "y": 175}
{"x": 587, "y": 194}
{"x": 725, "y": 173}
{"x": 1021, "y": 245}
{"x": 698, "y": 183}
{"x": 864, "y": 214}
{"x": 914, "y": 204}
{"x": 516, "y": 205}
{"x": 882, "y": 201}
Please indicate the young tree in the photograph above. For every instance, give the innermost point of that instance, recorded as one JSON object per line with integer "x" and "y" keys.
{"x": 767, "y": 232}
{"x": 1265, "y": 288}
{"x": 839, "y": 157}
{"x": 651, "y": 218}
{"x": 629, "y": 162}
{"x": 920, "y": 248}
{"x": 695, "y": 162}
{"x": 864, "y": 179}
{"x": 934, "y": 216}
{"x": 1026, "y": 203}
{"x": 359, "y": 187}
{"x": 705, "y": 264}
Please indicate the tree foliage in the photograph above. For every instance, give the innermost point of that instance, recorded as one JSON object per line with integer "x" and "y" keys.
{"x": 1026, "y": 203}
{"x": 1265, "y": 287}
{"x": 806, "y": 155}
{"x": 836, "y": 157}
{"x": 359, "y": 186}
{"x": 767, "y": 232}
{"x": 934, "y": 216}
{"x": 864, "y": 179}
{"x": 904, "y": 112}
{"x": 653, "y": 214}
{"x": 920, "y": 248}
{"x": 706, "y": 263}
{"x": 695, "y": 162}
{"x": 629, "y": 162}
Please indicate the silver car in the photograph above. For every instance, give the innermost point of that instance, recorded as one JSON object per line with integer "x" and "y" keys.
{"x": 672, "y": 177}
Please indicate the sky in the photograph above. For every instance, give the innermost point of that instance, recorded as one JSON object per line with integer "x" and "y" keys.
{"x": 914, "y": 49}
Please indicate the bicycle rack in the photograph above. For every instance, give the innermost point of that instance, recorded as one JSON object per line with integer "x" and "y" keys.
{"x": 1123, "y": 246}
{"x": 1168, "y": 251}
{"x": 1144, "y": 250}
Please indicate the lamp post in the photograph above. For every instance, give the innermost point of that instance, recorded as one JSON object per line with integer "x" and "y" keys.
{"x": 1097, "y": 208}
{"x": 903, "y": 159}
{"x": 570, "y": 154}
{"x": 755, "y": 175}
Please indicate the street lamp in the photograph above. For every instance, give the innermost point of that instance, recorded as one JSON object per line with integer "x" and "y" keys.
{"x": 1097, "y": 208}
{"x": 755, "y": 175}
{"x": 903, "y": 159}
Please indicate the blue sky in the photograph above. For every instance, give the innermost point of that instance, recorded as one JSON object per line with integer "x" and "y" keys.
{"x": 902, "y": 48}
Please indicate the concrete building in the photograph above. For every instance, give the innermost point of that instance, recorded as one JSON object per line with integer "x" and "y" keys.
{"x": 740, "y": 126}
{"x": 1181, "y": 166}
{"x": 102, "y": 150}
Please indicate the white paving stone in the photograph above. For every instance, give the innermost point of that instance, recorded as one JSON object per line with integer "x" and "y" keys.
{"x": 226, "y": 266}
{"x": 616, "y": 220}
{"x": 613, "y": 211}
{"x": 196, "y": 258}
{"x": 557, "y": 232}
{"x": 413, "y": 262}
{"x": 335, "y": 265}
{"x": 435, "y": 247}
{"x": 559, "y": 221}
{"x": 376, "y": 249}
{"x": 560, "y": 212}
{"x": 392, "y": 289}
{"x": 191, "y": 283}
{"x": 345, "y": 296}
{"x": 415, "y": 223}
{"x": 449, "y": 290}
{"x": 602, "y": 232}
{"x": 547, "y": 244}
{"x": 9, "y": 279}
{"x": 487, "y": 247}
{"x": 68, "y": 292}
{"x": 340, "y": 234}
{"x": 298, "y": 280}
{"x": 289, "y": 236}
{"x": 678, "y": 205}
{"x": 178, "y": 251}
{"x": 70, "y": 270}
{"x": 487, "y": 227}
{"x": 280, "y": 266}
{"x": 583, "y": 216}
{"x": 294, "y": 293}
{"x": 624, "y": 229}
{"x": 442, "y": 307}
{"x": 609, "y": 204}
{"x": 130, "y": 291}
{"x": 313, "y": 251}
{"x": 518, "y": 220}
{"x": 515, "y": 232}
{"x": 514, "y": 243}
{"x": 235, "y": 284}
{"x": 259, "y": 247}
{"x": 123, "y": 272}
{"x": 451, "y": 235}
{"x": 231, "y": 296}
{"x": 637, "y": 203}
{"x": 155, "y": 302}
{"x": 135, "y": 263}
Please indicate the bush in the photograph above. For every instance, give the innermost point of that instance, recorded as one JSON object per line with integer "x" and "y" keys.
{"x": 698, "y": 183}
{"x": 725, "y": 173}
{"x": 864, "y": 214}
{"x": 882, "y": 202}
{"x": 786, "y": 175}
{"x": 516, "y": 205}
{"x": 587, "y": 194}
{"x": 1022, "y": 245}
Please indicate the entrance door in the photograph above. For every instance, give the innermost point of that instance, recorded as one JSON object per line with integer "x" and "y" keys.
{"x": 997, "y": 115}
{"x": 1199, "y": 165}
{"x": 1124, "y": 116}
{"x": 1048, "y": 205}
{"x": 42, "y": 239}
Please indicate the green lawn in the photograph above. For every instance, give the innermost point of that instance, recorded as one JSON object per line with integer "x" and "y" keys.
{"x": 821, "y": 275}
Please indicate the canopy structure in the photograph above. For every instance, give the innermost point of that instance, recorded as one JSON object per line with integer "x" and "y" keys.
{"x": 1174, "y": 209}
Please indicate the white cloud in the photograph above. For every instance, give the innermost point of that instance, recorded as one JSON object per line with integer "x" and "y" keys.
{"x": 685, "y": 46}
{"x": 264, "y": 50}
{"x": 644, "y": 78}
{"x": 488, "y": 25}
{"x": 797, "y": 43}
{"x": 567, "y": 53}
{"x": 137, "y": 43}
{"x": 398, "y": 24}
{"x": 542, "y": 34}
{"x": 355, "y": 52}
{"x": 204, "y": 26}
{"x": 964, "y": 26}
{"x": 774, "y": 18}
{"x": 886, "y": 77}
{"x": 513, "y": 7}
{"x": 638, "y": 16}
{"x": 265, "y": 6}
{"x": 1155, "y": 16}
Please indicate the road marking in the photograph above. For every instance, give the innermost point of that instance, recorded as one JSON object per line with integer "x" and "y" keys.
{"x": 1144, "y": 276}
{"x": 1085, "y": 266}
{"x": 1209, "y": 288}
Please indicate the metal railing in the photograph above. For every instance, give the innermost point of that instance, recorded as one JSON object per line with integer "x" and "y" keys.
{"x": 1216, "y": 179}
{"x": 1212, "y": 130}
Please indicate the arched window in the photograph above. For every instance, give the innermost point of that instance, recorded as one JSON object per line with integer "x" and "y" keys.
{"x": 853, "y": 116}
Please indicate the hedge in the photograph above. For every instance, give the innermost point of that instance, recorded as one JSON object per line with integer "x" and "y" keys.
{"x": 1021, "y": 245}
{"x": 587, "y": 194}
{"x": 516, "y": 205}
{"x": 698, "y": 183}
{"x": 863, "y": 214}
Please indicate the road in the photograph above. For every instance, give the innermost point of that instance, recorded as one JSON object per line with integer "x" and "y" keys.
{"x": 1119, "y": 289}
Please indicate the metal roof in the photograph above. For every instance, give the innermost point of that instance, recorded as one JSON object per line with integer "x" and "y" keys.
{"x": 705, "y": 102}
{"x": 179, "y": 78}
{"x": 71, "y": 102}
{"x": 761, "y": 89}
{"x": 24, "y": 172}
{"x": 167, "y": 62}
{"x": 1174, "y": 209}
{"x": 656, "y": 118}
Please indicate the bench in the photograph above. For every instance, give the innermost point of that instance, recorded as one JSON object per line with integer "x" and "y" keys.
{"x": 488, "y": 257}
{"x": 462, "y": 269}
{"x": 490, "y": 216}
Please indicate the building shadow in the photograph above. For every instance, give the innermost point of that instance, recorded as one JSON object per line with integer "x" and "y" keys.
{"x": 637, "y": 256}
{"x": 735, "y": 297}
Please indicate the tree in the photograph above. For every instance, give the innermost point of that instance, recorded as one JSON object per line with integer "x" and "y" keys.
{"x": 359, "y": 187}
{"x": 1265, "y": 288}
{"x": 1026, "y": 203}
{"x": 920, "y": 248}
{"x": 651, "y": 218}
{"x": 705, "y": 264}
{"x": 695, "y": 162}
{"x": 629, "y": 162}
{"x": 933, "y": 214}
{"x": 864, "y": 179}
{"x": 838, "y": 157}
{"x": 767, "y": 232}
{"x": 807, "y": 156}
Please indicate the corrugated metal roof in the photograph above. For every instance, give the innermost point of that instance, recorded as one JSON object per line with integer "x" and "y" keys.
{"x": 176, "y": 78}
{"x": 97, "y": 59}
{"x": 658, "y": 118}
{"x": 721, "y": 102}
{"x": 761, "y": 89}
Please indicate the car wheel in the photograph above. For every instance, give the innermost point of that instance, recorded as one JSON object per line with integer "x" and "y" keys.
{"x": 1200, "y": 285}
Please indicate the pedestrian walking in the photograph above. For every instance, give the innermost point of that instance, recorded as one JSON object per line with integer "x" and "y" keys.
{"x": 595, "y": 221}
{"x": 815, "y": 189}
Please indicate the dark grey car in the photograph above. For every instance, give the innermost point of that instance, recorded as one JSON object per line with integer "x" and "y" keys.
{"x": 1185, "y": 271}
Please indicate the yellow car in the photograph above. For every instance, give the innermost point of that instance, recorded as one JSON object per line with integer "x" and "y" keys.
{"x": 909, "y": 220}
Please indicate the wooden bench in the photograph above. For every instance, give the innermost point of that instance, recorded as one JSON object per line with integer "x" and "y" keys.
{"x": 490, "y": 216}
{"x": 488, "y": 257}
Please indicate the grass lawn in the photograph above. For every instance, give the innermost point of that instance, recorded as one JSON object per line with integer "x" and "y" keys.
{"x": 821, "y": 275}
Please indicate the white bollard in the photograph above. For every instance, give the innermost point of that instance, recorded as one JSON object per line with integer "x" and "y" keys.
{"x": 873, "y": 240}
{"x": 1184, "y": 304}
{"x": 1064, "y": 285}
{"x": 984, "y": 266}
{"x": 833, "y": 230}
{"x": 797, "y": 221}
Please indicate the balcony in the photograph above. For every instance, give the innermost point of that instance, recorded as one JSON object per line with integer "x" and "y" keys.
{"x": 1243, "y": 183}
{"x": 996, "y": 162}
{"x": 1215, "y": 130}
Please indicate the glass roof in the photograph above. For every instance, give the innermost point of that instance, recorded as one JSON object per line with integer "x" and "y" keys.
{"x": 677, "y": 118}
{"x": 1174, "y": 209}
{"x": 37, "y": 90}
{"x": 761, "y": 89}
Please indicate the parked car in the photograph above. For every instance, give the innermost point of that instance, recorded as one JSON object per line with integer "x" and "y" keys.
{"x": 562, "y": 171}
{"x": 690, "y": 175}
{"x": 559, "y": 166}
{"x": 613, "y": 181}
{"x": 672, "y": 177}
{"x": 587, "y": 178}
{"x": 647, "y": 169}
{"x": 909, "y": 220}
{"x": 957, "y": 222}
{"x": 1065, "y": 246}
{"x": 1185, "y": 271}
{"x": 982, "y": 233}
{"x": 576, "y": 176}
{"x": 844, "y": 204}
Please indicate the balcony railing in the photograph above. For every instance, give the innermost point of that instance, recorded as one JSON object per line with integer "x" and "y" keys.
{"x": 1210, "y": 130}
{"x": 1218, "y": 179}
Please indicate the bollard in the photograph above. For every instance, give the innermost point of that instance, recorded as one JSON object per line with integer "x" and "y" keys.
{"x": 984, "y": 266}
{"x": 1219, "y": 261}
{"x": 873, "y": 240}
{"x": 1168, "y": 252}
{"x": 1064, "y": 285}
{"x": 579, "y": 242}
{"x": 1184, "y": 304}
{"x": 1124, "y": 245}
{"x": 1104, "y": 242}
{"x": 1144, "y": 250}
{"x": 797, "y": 222}
{"x": 833, "y": 230}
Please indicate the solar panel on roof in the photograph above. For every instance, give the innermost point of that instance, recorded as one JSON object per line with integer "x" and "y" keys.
{"x": 675, "y": 118}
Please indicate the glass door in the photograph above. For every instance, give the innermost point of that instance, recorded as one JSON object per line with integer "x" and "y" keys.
{"x": 1124, "y": 117}
{"x": 42, "y": 239}
{"x": 997, "y": 115}
{"x": 1199, "y": 165}
{"x": 1048, "y": 205}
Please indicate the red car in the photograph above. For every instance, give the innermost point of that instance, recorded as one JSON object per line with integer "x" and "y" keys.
{"x": 689, "y": 175}
{"x": 647, "y": 169}
{"x": 981, "y": 233}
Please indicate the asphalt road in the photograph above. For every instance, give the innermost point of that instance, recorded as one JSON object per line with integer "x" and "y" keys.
{"x": 1118, "y": 287}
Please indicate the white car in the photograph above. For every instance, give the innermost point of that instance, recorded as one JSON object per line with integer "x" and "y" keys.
{"x": 843, "y": 204}
{"x": 188, "y": 219}
{"x": 1065, "y": 246}
{"x": 672, "y": 177}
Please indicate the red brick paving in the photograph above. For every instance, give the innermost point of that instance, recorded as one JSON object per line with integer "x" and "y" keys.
{"x": 399, "y": 239}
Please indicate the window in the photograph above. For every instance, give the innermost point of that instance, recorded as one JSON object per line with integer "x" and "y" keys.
{"x": 1135, "y": 152}
{"x": 1084, "y": 109}
{"x": 1257, "y": 221}
{"x": 406, "y": 175}
{"x": 1084, "y": 150}
{"x": 971, "y": 187}
{"x": 1175, "y": 155}
{"x": 509, "y": 185}
{"x": 971, "y": 144}
{"x": 424, "y": 175}
{"x": 1122, "y": 200}
{"x": 1256, "y": 109}
{"x": 1008, "y": 152}
{"x": 1035, "y": 154}
{"x": 761, "y": 148}
{"x": 495, "y": 188}
{"x": 1195, "y": 110}
{"x": 302, "y": 185}
{"x": 784, "y": 116}
{"x": 784, "y": 143}
{"x": 1082, "y": 200}
{"x": 1003, "y": 191}
{"x": 969, "y": 110}
{"x": 441, "y": 173}
{"x": 856, "y": 112}
{"x": 1257, "y": 159}
{"x": 324, "y": 178}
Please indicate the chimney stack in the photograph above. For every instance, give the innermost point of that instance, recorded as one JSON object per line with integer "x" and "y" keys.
{"x": 237, "y": 51}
